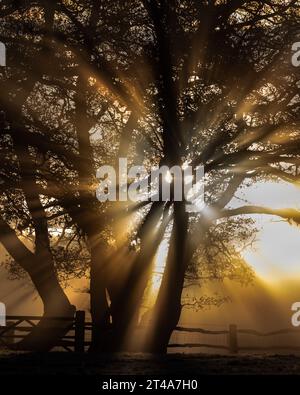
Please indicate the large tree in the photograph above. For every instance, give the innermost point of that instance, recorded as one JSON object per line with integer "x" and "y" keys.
{"x": 205, "y": 83}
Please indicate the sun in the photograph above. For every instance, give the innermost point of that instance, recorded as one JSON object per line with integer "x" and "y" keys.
{"x": 275, "y": 256}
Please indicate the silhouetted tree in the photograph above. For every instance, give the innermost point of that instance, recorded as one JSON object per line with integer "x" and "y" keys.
{"x": 201, "y": 82}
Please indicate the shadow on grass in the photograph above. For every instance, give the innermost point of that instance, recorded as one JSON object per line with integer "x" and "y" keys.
{"x": 58, "y": 363}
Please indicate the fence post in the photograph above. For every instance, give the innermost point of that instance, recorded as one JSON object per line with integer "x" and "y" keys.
{"x": 232, "y": 339}
{"x": 79, "y": 331}
{"x": 11, "y": 332}
{"x": 6, "y": 331}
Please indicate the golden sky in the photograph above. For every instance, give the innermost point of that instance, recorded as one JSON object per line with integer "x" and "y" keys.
{"x": 275, "y": 256}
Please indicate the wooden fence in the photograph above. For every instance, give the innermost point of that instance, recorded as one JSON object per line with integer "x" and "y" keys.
{"x": 232, "y": 343}
{"x": 77, "y": 333}
{"x": 17, "y": 327}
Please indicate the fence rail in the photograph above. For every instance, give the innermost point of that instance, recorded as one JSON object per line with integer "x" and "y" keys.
{"x": 75, "y": 338}
{"x": 233, "y": 339}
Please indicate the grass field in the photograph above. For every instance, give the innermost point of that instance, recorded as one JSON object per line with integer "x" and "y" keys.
{"x": 128, "y": 364}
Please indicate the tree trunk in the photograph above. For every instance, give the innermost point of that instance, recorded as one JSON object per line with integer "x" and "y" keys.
{"x": 48, "y": 333}
{"x": 40, "y": 269}
{"x": 127, "y": 301}
{"x": 100, "y": 313}
{"x": 167, "y": 310}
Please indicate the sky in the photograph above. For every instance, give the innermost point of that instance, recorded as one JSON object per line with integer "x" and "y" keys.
{"x": 275, "y": 256}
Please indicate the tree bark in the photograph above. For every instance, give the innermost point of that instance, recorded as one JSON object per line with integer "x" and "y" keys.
{"x": 48, "y": 333}
{"x": 40, "y": 269}
{"x": 167, "y": 310}
{"x": 89, "y": 219}
{"x": 127, "y": 301}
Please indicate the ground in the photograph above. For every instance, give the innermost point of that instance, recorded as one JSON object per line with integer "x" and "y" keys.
{"x": 179, "y": 364}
